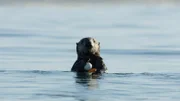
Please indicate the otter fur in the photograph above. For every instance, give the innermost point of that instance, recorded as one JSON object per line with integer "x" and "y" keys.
{"x": 88, "y": 50}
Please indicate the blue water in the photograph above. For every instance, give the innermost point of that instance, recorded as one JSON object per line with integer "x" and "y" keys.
{"x": 140, "y": 45}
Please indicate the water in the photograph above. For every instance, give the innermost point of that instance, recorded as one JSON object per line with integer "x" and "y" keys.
{"x": 139, "y": 43}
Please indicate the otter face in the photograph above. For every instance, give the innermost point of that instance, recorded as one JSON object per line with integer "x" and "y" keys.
{"x": 88, "y": 46}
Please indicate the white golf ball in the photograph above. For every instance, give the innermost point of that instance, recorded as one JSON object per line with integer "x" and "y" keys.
{"x": 88, "y": 66}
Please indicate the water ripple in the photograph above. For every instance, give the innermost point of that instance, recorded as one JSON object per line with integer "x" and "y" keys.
{"x": 115, "y": 26}
{"x": 141, "y": 52}
{"x": 16, "y": 35}
{"x": 48, "y": 72}
{"x": 54, "y": 95}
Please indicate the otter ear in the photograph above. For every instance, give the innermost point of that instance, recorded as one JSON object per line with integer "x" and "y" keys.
{"x": 77, "y": 43}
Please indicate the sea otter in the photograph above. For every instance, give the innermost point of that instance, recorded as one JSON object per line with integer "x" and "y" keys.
{"x": 88, "y": 50}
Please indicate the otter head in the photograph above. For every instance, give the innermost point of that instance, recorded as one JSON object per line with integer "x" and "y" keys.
{"x": 88, "y": 46}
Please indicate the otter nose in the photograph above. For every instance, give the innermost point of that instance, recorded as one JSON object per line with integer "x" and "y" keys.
{"x": 88, "y": 44}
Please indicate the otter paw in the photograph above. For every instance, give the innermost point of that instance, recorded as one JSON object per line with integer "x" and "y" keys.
{"x": 92, "y": 70}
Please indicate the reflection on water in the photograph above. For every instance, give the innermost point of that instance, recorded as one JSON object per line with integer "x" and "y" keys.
{"x": 87, "y": 80}
{"x": 58, "y": 85}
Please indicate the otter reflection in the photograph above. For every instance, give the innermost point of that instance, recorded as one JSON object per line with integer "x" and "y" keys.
{"x": 86, "y": 80}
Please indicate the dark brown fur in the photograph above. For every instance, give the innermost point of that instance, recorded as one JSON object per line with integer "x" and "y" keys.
{"x": 88, "y": 50}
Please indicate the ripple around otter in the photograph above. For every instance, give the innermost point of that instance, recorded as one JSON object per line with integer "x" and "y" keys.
{"x": 56, "y": 72}
{"x": 40, "y": 84}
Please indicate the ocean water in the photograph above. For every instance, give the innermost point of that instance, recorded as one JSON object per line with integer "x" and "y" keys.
{"x": 140, "y": 45}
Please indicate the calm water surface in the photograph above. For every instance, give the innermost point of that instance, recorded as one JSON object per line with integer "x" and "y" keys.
{"x": 140, "y": 45}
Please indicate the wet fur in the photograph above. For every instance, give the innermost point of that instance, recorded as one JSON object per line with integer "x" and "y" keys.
{"x": 88, "y": 54}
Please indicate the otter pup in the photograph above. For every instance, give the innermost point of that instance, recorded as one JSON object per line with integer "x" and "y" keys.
{"x": 88, "y": 50}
